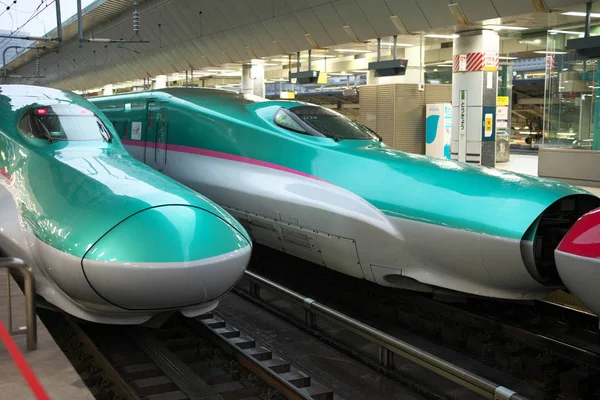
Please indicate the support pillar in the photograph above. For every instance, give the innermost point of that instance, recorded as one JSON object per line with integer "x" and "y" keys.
{"x": 596, "y": 117}
{"x": 253, "y": 79}
{"x": 474, "y": 92}
{"x": 107, "y": 90}
{"x": 161, "y": 82}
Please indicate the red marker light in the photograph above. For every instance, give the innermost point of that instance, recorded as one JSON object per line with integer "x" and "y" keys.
{"x": 41, "y": 111}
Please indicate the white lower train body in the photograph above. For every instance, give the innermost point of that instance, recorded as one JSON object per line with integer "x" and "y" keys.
{"x": 325, "y": 224}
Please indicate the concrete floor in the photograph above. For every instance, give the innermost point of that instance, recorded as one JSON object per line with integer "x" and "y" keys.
{"x": 528, "y": 164}
{"x": 49, "y": 364}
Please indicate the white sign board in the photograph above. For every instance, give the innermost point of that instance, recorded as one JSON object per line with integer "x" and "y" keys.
{"x": 462, "y": 126}
{"x": 501, "y": 112}
{"x": 136, "y": 130}
{"x": 462, "y": 62}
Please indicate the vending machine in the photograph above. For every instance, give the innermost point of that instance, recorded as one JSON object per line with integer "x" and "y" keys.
{"x": 438, "y": 130}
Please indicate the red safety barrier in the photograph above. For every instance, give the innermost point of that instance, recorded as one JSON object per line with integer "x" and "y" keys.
{"x": 19, "y": 359}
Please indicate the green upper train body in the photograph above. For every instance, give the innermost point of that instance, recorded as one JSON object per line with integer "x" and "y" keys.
{"x": 307, "y": 181}
{"x": 109, "y": 238}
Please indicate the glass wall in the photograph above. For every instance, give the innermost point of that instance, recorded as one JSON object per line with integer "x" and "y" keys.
{"x": 570, "y": 89}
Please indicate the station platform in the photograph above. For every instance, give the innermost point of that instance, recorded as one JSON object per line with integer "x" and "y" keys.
{"x": 528, "y": 164}
{"x": 51, "y": 369}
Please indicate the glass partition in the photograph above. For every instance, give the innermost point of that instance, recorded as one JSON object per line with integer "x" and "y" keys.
{"x": 570, "y": 89}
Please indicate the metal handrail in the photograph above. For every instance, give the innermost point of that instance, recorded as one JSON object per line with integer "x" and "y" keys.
{"x": 388, "y": 344}
{"x": 30, "y": 305}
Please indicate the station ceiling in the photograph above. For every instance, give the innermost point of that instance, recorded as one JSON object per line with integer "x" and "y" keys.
{"x": 194, "y": 34}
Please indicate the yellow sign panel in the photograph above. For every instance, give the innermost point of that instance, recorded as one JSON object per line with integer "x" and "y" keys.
{"x": 502, "y": 101}
{"x": 489, "y": 124}
{"x": 287, "y": 95}
{"x": 322, "y": 80}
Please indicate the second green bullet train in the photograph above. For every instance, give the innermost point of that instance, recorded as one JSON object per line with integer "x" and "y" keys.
{"x": 307, "y": 181}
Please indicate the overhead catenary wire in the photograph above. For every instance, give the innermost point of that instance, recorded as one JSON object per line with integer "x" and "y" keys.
{"x": 35, "y": 14}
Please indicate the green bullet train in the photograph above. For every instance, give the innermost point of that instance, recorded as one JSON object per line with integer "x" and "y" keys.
{"x": 109, "y": 239}
{"x": 307, "y": 181}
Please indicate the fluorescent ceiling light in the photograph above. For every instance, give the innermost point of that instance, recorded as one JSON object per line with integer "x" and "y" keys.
{"x": 508, "y": 58}
{"x": 339, "y": 73}
{"x": 550, "y": 52}
{"x": 397, "y": 44}
{"x": 353, "y": 51}
{"x": 554, "y": 32}
{"x": 581, "y": 14}
{"x": 444, "y": 65}
{"x": 432, "y": 35}
{"x": 316, "y": 56}
{"x": 505, "y": 27}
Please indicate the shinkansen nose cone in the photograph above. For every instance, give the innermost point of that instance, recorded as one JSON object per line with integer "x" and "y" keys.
{"x": 166, "y": 257}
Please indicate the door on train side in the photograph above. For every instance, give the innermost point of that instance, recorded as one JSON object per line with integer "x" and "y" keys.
{"x": 162, "y": 134}
{"x": 156, "y": 135}
{"x": 151, "y": 129}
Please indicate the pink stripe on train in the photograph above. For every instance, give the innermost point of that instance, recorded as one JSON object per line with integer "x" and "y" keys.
{"x": 221, "y": 155}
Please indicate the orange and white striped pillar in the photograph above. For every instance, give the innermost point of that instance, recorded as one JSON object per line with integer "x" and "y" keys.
{"x": 474, "y": 92}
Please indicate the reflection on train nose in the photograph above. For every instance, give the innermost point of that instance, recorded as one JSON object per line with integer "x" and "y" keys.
{"x": 163, "y": 257}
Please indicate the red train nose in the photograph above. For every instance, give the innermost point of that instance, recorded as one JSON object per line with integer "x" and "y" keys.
{"x": 578, "y": 260}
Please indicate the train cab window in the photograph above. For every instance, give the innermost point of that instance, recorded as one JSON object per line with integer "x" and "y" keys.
{"x": 64, "y": 123}
{"x": 328, "y": 123}
{"x": 285, "y": 120}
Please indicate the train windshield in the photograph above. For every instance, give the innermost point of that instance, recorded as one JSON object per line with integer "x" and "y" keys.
{"x": 331, "y": 124}
{"x": 64, "y": 122}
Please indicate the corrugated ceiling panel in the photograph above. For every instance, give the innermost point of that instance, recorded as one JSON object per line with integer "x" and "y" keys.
{"x": 216, "y": 49}
{"x": 171, "y": 31}
{"x": 264, "y": 38}
{"x": 213, "y": 21}
{"x": 378, "y": 15}
{"x": 188, "y": 18}
{"x": 332, "y": 23}
{"x": 512, "y": 7}
{"x": 245, "y": 33}
{"x": 437, "y": 13}
{"x": 314, "y": 3}
{"x": 562, "y": 3}
{"x": 478, "y": 10}
{"x": 410, "y": 14}
{"x": 352, "y": 15}
{"x": 231, "y": 12}
{"x": 211, "y": 58}
{"x": 281, "y": 8}
{"x": 312, "y": 25}
{"x": 245, "y": 10}
{"x": 226, "y": 46}
{"x": 294, "y": 30}
{"x": 278, "y": 33}
{"x": 410, "y": 119}
{"x": 297, "y": 5}
{"x": 263, "y": 8}
{"x": 237, "y": 43}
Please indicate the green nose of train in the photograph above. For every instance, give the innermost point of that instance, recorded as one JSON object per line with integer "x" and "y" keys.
{"x": 109, "y": 239}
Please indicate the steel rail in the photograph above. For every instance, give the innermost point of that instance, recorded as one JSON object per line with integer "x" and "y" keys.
{"x": 30, "y": 305}
{"x": 389, "y": 345}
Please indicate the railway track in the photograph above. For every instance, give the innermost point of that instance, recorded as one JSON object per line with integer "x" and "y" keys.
{"x": 204, "y": 358}
{"x": 542, "y": 350}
